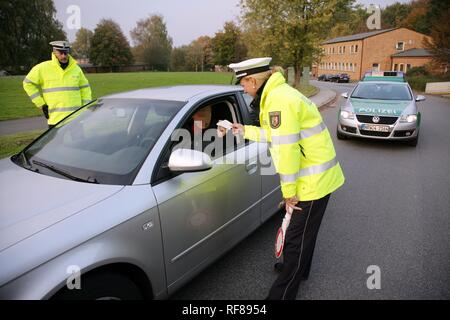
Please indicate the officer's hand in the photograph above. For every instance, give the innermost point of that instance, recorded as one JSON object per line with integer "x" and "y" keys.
{"x": 238, "y": 129}
{"x": 290, "y": 204}
{"x": 45, "y": 111}
{"x": 221, "y": 131}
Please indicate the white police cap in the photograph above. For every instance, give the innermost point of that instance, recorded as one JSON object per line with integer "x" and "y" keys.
{"x": 250, "y": 66}
{"x": 60, "y": 45}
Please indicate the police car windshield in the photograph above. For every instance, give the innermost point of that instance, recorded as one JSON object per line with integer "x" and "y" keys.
{"x": 105, "y": 142}
{"x": 381, "y": 91}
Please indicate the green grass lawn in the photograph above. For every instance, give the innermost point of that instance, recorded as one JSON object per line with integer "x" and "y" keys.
{"x": 14, "y": 103}
{"x": 13, "y": 143}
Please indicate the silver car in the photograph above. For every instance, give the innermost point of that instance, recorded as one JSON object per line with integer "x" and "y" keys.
{"x": 383, "y": 108}
{"x": 111, "y": 203}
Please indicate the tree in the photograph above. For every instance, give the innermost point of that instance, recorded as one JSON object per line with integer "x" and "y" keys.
{"x": 228, "y": 46}
{"x": 27, "y": 27}
{"x": 82, "y": 44}
{"x": 109, "y": 47}
{"x": 200, "y": 55}
{"x": 288, "y": 30}
{"x": 417, "y": 18}
{"x": 153, "y": 43}
{"x": 347, "y": 19}
{"x": 440, "y": 44}
{"x": 178, "y": 59}
{"x": 394, "y": 15}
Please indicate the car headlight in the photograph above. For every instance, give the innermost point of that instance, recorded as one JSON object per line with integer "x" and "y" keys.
{"x": 408, "y": 118}
{"x": 347, "y": 114}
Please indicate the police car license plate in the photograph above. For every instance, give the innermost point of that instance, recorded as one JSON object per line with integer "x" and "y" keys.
{"x": 375, "y": 127}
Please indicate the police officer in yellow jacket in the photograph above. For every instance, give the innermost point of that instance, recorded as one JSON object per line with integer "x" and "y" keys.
{"x": 304, "y": 157}
{"x": 58, "y": 86}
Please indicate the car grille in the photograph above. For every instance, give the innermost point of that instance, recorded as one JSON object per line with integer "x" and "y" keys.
{"x": 374, "y": 133}
{"x": 383, "y": 120}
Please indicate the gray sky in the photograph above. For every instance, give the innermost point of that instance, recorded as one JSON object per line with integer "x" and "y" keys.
{"x": 186, "y": 20}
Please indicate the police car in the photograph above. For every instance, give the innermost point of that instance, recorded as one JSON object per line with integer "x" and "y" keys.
{"x": 381, "y": 106}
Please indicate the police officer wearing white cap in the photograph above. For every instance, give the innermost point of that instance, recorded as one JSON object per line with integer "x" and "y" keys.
{"x": 304, "y": 157}
{"x": 58, "y": 86}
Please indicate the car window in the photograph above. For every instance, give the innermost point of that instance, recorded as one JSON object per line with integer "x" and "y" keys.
{"x": 190, "y": 135}
{"x": 381, "y": 91}
{"x": 106, "y": 142}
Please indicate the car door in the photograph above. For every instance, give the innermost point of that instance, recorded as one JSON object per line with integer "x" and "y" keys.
{"x": 270, "y": 181}
{"x": 203, "y": 214}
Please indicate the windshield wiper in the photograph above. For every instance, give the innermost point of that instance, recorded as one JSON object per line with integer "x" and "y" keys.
{"x": 357, "y": 97}
{"x": 26, "y": 162}
{"x": 64, "y": 173}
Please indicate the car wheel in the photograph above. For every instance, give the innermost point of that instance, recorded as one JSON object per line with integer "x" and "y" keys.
{"x": 102, "y": 286}
{"x": 340, "y": 136}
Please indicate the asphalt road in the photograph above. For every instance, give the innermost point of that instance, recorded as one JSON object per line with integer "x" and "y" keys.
{"x": 393, "y": 213}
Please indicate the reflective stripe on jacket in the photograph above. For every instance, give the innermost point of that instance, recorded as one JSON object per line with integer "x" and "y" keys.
{"x": 62, "y": 90}
{"x": 300, "y": 144}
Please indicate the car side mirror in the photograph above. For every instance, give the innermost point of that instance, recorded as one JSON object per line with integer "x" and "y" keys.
{"x": 345, "y": 95}
{"x": 189, "y": 160}
{"x": 420, "y": 98}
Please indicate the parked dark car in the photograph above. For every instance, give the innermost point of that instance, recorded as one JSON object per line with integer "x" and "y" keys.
{"x": 340, "y": 77}
{"x": 325, "y": 77}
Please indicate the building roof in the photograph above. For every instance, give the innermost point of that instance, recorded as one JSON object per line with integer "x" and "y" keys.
{"x": 358, "y": 36}
{"x": 413, "y": 53}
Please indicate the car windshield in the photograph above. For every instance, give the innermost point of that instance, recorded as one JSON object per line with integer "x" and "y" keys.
{"x": 105, "y": 142}
{"x": 382, "y": 91}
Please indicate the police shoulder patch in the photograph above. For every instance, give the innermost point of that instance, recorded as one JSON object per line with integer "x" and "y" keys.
{"x": 275, "y": 119}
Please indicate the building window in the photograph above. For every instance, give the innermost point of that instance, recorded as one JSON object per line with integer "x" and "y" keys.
{"x": 356, "y": 48}
{"x": 408, "y": 66}
{"x": 400, "y": 46}
{"x": 395, "y": 67}
{"x": 343, "y": 49}
{"x": 402, "y": 67}
{"x": 375, "y": 67}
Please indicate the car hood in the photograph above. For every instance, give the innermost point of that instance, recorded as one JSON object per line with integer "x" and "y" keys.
{"x": 379, "y": 107}
{"x": 31, "y": 202}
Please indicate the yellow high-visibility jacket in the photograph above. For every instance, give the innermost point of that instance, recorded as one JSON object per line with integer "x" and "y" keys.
{"x": 300, "y": 145}
{"x": 62, "y": 90}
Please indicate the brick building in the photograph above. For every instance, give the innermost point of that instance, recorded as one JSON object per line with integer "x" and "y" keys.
{"x": 376, "y": 50}
{"x": 404, "y": 60}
